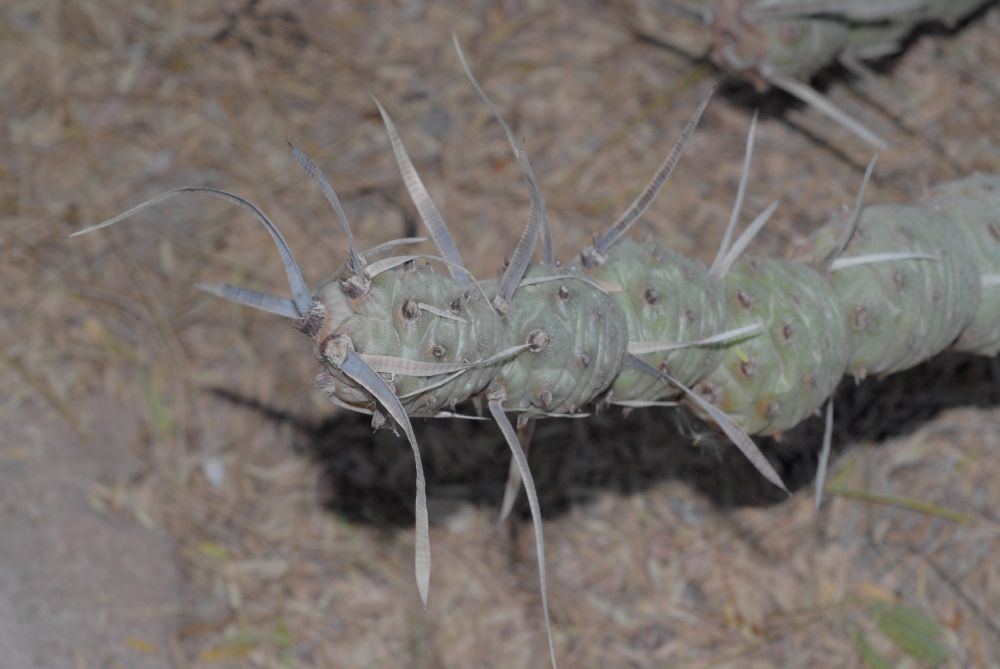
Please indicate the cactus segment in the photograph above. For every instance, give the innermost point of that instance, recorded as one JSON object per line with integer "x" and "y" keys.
{"x": 952, "y": 12}
{"x": 787, "y": 47}
{"x": 664, "y": 297}
{"x": 797, "y": 38}
{"x": 973, "y": 204}
{"x": 388, "y": 321}
{"x": 855, "y": 11}
{"x": 900, "y": 313}
{"x": 771, "y": 382}
{"x": 875, "y": 28}
{"x": 577, "y": 337}
{"x": 784, "y": 43}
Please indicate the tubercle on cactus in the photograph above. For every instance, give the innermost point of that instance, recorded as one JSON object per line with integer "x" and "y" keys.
{"x": 784, "y": 43}
{"x": 754, "y": 344}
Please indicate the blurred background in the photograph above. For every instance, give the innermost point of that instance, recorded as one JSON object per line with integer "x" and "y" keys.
{"x": 175, "y": 494}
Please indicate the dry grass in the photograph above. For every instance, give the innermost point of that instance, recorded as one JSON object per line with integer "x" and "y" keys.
{"x": 290, "y": 519}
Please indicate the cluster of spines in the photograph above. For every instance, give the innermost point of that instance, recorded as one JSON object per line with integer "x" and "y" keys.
{"x": 764, "y": 341}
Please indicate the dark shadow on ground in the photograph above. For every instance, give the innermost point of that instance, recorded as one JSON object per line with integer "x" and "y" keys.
{"x": 369, "y": 476}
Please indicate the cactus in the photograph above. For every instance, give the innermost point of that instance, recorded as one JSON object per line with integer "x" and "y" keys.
{"x": 784, "y": 43}
{"x": 754, "y": 344}
{"x": 797, "y": 38}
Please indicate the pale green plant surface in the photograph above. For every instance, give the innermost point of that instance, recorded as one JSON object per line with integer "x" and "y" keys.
{"x": 106, "y": 107}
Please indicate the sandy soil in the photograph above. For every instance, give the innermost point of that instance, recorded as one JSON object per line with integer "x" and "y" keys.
{"x": 174, "y": 493}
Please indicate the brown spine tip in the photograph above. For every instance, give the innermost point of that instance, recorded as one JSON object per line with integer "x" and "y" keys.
{"x": 537, "y": 340}
{"x": 748, "y": 369}
{"x": 786, "y": 332}
{"x": 501, "y": 305}
{"x": 591, "y": 257}
{"x": 711, "y": 392}
{"x": 312, "y": 322}
{"x": 335, "y": 348}
{"x": 409, "y": 310}
{"x": 771, "y": 409}
{"x": 351, "y": 288}
{"x": 545, "y": 398}
{"x": 859, "y": 318}
{"x": 744, "y": 299}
